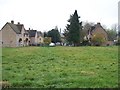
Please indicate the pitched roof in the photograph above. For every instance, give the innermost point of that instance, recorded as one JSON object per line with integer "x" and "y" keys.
{"x": 19, "y": 26}
{"x": 15, "y": 28}
{"x": 39, "y": 33}
{"x": 32, "y": 33}
{"x": 93, "y": 28}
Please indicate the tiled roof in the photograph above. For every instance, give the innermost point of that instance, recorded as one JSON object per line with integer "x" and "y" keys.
{"x": 32, "y": 33}
{"x": 19, "y": 26}
{"x": 39, "y": 33}
{"x": 15, "y": 28}
{"x": 93, "y": 28}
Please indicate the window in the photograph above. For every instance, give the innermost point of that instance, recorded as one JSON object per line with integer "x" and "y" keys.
{"x": 20, "y": 40}
{"x": 24, "y": 34}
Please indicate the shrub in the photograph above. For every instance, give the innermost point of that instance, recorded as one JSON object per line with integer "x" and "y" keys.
{"x": 98, "y": 39}
{"x": 85, "y": 43}
{"x": 47, "y": 40}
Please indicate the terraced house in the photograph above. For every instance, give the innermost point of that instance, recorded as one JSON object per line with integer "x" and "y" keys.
{"x": 36, "y": 37}
{"x": 15, "y": 35}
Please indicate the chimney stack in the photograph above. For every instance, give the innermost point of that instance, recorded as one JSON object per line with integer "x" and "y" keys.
{"x": 98, "y": 23}
{"x": 12, "y": 21}
{"x": 18, "y": 22}
{"x": 29, "y": 28}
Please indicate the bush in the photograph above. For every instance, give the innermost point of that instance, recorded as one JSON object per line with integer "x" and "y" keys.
{"x": 85, "y": 43}
{"x": 47, "y": 40}
{"x": 98, "y": 39}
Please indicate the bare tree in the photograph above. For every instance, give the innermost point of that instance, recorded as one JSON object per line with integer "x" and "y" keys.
{"x": 112, "y": 33}
{"x": 114, "y": 27}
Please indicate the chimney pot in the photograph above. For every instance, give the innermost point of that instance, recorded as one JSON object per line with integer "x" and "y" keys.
{"x": 12, "y": 21}
{"x": 98, "y": 23}
{"x": 18, "y": 22}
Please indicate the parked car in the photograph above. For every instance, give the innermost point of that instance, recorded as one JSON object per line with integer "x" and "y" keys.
{"x": 51, "y": 44}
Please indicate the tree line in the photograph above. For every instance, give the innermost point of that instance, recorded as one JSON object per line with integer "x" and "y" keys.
{"x": 75, "y": 32}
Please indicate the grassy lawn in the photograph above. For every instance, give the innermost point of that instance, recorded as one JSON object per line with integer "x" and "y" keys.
{"x": 61, "y": 67}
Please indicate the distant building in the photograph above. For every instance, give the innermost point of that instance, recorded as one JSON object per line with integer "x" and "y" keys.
{"x": 39, "y": 37}
{"x": 32, "y": 34}
{"x": 97, "y": 30}
{"x": 36, "y": 37}
{"x": 15, "y": 35}
{"x": 62, "y": 38}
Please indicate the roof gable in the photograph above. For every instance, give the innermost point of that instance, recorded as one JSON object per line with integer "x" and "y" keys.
{"x": 15, "y": 28}
{"x": 95, "y": 27}
{"x": 32, "y": 33}
{"x": 19, "y": 26}
{"x": 39, "y": 33}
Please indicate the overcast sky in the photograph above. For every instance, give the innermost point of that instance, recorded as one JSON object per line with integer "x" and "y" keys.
{"x": 44, "y": 15}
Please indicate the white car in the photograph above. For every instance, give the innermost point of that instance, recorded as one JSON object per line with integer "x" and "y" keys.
{"x": 51, "y": 44}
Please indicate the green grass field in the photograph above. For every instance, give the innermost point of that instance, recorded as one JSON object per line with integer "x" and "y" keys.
{"x": 61, "y": 67}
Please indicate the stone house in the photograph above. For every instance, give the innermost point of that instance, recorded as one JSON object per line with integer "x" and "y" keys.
{"x": 39, "y": 37}
{"x": 97, "y": 30}
{"x": 32, "y": 34}
{"x": 36, "y": 37}
{"x": 14, "y": 35}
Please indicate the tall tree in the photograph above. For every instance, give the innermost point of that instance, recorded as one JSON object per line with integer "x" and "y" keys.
{"x": 45, "y": 34}
{"x": 73, "y": 29}
{"x": 55, "y": 35}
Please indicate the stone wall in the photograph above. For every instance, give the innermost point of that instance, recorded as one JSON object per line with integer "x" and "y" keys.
{"x": 8, "y": 37}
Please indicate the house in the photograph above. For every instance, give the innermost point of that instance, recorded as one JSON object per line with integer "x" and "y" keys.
{"x": 14, "y": 35}
{"x": 32, "y": 34}
{"x": 63, "y": 41}
{"x": 39, "y": 38}
{"x": 62, "y": 37}
{"x": 96, "y": 30}
{"x": 36, "y": 37}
